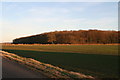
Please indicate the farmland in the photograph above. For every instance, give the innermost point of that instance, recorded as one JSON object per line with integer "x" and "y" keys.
{"x": 95, "y": 60}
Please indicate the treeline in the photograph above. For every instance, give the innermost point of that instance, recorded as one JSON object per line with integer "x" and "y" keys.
{"x": 72, "y": 37}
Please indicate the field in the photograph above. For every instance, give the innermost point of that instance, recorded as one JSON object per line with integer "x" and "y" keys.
{"x": 96, "y": 60}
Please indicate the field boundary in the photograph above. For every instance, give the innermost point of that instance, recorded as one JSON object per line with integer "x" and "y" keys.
{"x": 47, "y": 69}
{"x": 56, "y": 44}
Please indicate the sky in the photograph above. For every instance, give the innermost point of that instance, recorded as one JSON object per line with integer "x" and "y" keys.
{"x": 21, "y": 19}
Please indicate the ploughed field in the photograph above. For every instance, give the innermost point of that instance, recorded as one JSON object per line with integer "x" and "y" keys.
{"x": 96, "y": 60}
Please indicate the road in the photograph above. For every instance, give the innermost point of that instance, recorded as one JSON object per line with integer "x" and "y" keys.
{"x": 12, "y": 69}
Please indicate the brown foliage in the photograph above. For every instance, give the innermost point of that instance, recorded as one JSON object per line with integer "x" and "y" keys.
{"x": 72, "y": 37}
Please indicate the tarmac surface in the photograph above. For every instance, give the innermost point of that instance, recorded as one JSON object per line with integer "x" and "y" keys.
{"x": 12, "y": 69}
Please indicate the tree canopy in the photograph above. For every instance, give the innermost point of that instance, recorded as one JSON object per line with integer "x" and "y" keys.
{"x": 72, "y": 37}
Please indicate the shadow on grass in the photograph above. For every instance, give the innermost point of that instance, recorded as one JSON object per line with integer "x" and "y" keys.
{"x": 91, "y": 64}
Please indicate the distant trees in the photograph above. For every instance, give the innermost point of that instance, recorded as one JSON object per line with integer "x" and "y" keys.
{"x": 72, "y": 37}
{"x": 51, "y": 38}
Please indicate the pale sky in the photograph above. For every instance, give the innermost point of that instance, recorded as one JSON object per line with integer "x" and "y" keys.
{"x": 29, "y": 18}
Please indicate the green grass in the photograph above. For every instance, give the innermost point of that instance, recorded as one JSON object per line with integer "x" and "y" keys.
{"x": 78, "y": 58}
{"x": 86, "y": 49}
